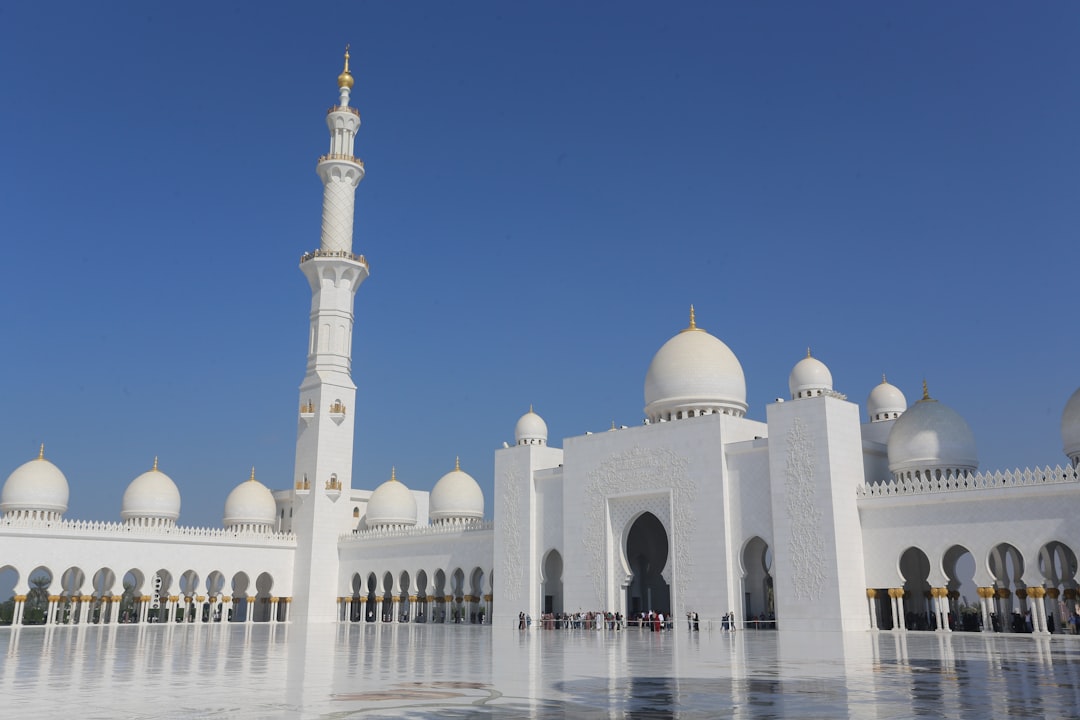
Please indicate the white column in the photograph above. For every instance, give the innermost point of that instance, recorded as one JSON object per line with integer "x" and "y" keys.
{"x": 250, "y": 618}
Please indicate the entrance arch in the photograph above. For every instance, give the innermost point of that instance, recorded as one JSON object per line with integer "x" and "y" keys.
{"x": 915, "y": 567}
{"x": 646, "y": 557}
{"x": 551, "y": 588}
{"x": 758, "y": 607}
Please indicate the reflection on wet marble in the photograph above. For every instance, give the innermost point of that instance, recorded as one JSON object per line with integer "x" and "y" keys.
{"x": 363, "y": 671}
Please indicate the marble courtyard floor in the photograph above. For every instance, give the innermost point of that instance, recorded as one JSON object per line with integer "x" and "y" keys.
{"x": 364, "y": 671}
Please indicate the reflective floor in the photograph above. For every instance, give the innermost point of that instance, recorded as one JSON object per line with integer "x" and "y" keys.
{"x": 360, "y": 671}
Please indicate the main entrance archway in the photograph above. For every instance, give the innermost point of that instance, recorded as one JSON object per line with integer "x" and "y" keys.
{"x": 647, "y": 554}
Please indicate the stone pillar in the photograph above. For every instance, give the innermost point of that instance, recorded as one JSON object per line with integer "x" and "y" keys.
{"x": 448, "y": 608}
{"x": 1038, "y": 609}
{"x": 985, "y": 593}
{"x": 871, "y": 601}
{"x": 17, "y": 613}
{"x": 395, "y": 604}
{"x": 288, "y": 608}
{"x": 273, "y": 609}
{"x": 487, "y": 607}
{"x": 250, "y": 610}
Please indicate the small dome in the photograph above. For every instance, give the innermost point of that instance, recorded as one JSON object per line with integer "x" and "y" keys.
{"x": 809, "y": 377}
{"x": 456, "y": 496}
{"x": 531, "y": 429}
{"x": 36, "y": 486}
{"x": 391, "y": 504}
{"x": 1070, "y": 428}
{"x": 931, "y": 436}
{"x": 152, "y": 495}
{"x": 250, "y": 503}
{"x": 886, "y": 402}
{"x": 696, "y": 374}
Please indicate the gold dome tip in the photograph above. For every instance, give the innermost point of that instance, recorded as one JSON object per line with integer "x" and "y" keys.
{"x": 345, "y": 79}
{"x": 925, "y": 391}
{"x": 883, "y": 380}
{"x": 393, "y": 474}
{"x": 808, "y": 351}
{"x": 693, "y": 321}
{"x": 252, "y": 478}
{"x": 41, "y": 452}
{"x": 155, "y": 463}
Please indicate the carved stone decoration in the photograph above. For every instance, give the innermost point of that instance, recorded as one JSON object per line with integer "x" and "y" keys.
{"x": 638, "y": 471}
{"x": 807, "y": 545}
{"x": 510, "y": 522}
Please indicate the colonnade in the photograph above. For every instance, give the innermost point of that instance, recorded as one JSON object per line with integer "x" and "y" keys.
{"x": 80, "y": 609}
{"x": 941, "y": 603}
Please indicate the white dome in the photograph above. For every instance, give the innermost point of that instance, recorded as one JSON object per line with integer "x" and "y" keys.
{"x": 696, "y": 373}
{"x": 151, "y": 495}
{"x": 250, "y": 503}
{"x": 456, "y": 496}
{"x": 1070, "y": 427}
{"x": 36, "y": 486}
{"x": 809, "y": 377}
{"x": 531, "y": 429}
{"x": 931, "y": 436}
{"x": 391, "y": 504}
{"x": 886, "y": 402}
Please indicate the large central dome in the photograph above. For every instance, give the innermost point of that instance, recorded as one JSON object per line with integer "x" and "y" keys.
{"x": 694, "y": 374}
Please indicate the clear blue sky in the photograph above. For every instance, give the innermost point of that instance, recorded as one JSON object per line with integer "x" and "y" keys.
{"x": 549, "y": 187}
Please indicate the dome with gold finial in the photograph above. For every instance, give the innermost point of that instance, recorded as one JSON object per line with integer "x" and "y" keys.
{"x": 531, "y": 429}
{"x": 391, "y": 505}
{"x": 457, "y": 497}
{"x": 694, "y": 374}
{"x": 250, "y": 505}
{"x": 152, "y": 499}
{"x": 886, "y": 402}
{"x": 345, "y": 79}
{"x": 810, "y": 377}
{"x": 36, "y": 489}
{"x": 929, "y": 440}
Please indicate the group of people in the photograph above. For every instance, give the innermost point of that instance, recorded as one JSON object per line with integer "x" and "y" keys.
{"x": 595, "y": 620}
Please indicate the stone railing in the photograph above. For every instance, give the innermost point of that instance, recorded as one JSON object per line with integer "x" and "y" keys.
{"x": 974, "y": 481}
{"x": 343, "y": 108}
{"x": 417, "y": 531}
{"x": 340, "y": 156}
{"x": 97, "y": 530}
{"x": 333, "y": 254}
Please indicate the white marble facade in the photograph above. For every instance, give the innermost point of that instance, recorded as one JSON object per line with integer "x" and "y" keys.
{"x": 821, "y": 517}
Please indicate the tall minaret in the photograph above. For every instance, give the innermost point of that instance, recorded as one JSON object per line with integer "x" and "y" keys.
{"x": 324, "y": 441}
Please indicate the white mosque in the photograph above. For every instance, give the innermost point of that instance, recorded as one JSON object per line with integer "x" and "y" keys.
{"x": 817, "y": 518}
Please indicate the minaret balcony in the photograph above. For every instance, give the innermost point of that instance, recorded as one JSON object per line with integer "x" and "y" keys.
{"x": 307, "y": 411}
{"x": 303, "y": 487}
{"x": 334, "y": 254}
{"x": 343, "y": 108}
{"x": 333, "y": 488}
{"x": 337, "y": 412}
{"x": 340, "y": 156}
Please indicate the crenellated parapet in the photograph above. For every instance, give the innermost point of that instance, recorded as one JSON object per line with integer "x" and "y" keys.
{"x": 102, "y": 530}
{"x": 961, "y": 482}
{"x": 379, "y": 533}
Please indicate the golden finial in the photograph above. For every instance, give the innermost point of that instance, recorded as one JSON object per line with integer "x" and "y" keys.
{"x": 41, "y": 452}
{"x": 693, "y": 322}
{"x": 883, "y": 380}
{"x": 345, "y": 79}
{"x": 393, "y": 474}
{"x": 252, "y": 478}
{"x": 612, "y": 424}
{"x": 457, "y": 463}
{"x": 155, "y": 463}
{"x": 807, "y": 351}
{"x": 530, "y": 407}
{"x": 925, "y": 391}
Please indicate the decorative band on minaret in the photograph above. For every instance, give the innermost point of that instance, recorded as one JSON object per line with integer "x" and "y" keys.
{"x": 340, "y": 170}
